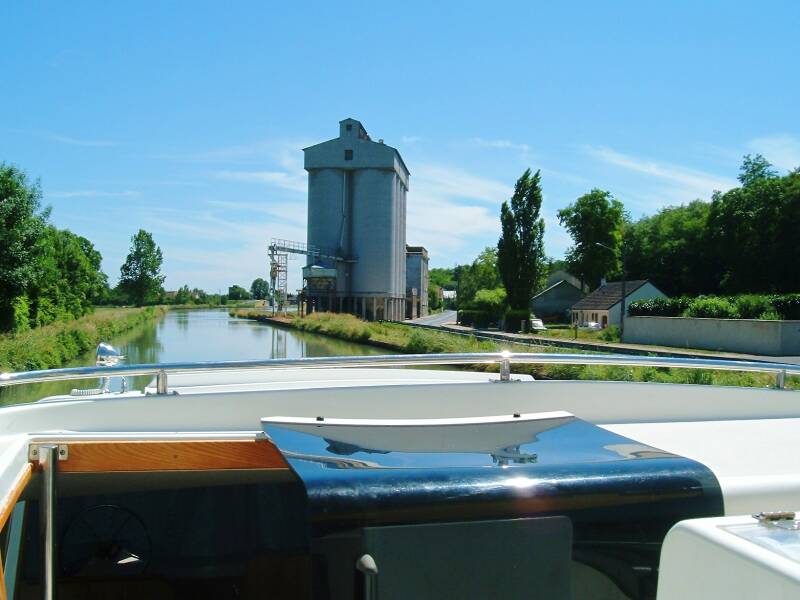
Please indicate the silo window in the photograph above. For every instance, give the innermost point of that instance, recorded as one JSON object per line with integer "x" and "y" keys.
{"x": 348, "y": 155}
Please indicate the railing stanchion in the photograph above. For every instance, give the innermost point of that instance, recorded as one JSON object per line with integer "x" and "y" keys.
{"x": 48, "y": 459}
{"x": 161, "y": 382}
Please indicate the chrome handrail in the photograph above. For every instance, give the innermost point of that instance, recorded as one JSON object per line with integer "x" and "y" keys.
{"x": 504, "y": 359}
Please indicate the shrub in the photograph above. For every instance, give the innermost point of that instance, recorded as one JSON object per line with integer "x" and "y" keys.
{"x": 787, "y": 306}
{"x": 769, "y": 315}
{"x": 659, "y": 307}
{"x": 752, "y": 306}
{"x": 514, "y": 318}
{"x": 610, "y": 334}
{"x": 712, "y": 307}
{"x": 21, "y": 314}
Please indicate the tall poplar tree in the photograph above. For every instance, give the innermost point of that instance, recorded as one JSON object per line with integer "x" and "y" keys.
{"x": 520, "y": 250}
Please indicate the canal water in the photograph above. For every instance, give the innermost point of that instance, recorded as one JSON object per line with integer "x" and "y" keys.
{"x": 197, "y": 335}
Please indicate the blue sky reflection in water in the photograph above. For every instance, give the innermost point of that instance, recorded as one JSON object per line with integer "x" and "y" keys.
{"x": 198, "y": 335}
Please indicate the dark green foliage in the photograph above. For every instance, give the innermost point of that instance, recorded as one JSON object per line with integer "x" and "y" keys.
{"x": 788, "y": 306}
{"x": 140, "y": 276}
{"x": 594, "y": 218}
{"x": 520, "y": 249}
{"x": 672, "y": 249}
{"x": 259, "y": 289}
{"x": 711, "y": 307}
{"x": 237, "y": 292}
{"x": 21, "y": 228}
{"x": 514, "y": 317}
{"x": 474, "y": 318}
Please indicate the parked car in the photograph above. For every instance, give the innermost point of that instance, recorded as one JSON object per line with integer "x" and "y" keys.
{"x": 593, "y": 325}
{"x": 537, "y": 325}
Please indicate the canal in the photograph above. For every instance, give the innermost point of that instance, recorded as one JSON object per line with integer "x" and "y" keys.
{"x": 197, "y": 335}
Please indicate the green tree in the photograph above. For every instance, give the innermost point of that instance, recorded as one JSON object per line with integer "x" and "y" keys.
{"x": 443, "y": 278}
{"x": 183, "y": 295}
{"x": 755, "y": 168}
{"x": 69, "y": 279}
{"x": 520, "y": 250}
{"x": 237, "y": 292}
{"x": 594, "y": 218}
{"x": 671, "y": 248}
{"x": 481, "y": 274}
{"x": 21, "y": 228}
{"x": 259, "y": 289}
{"x": 140, "y": 276}
{"x": 434, "y": 299}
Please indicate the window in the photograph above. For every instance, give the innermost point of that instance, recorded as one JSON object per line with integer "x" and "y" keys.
{"x": 348, "y": 155}
{"x": 349, "y": 127}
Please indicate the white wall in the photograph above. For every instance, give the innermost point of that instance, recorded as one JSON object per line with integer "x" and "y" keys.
{"x": 750, "y": 336}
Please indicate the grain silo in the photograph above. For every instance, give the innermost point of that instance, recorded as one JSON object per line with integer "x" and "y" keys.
{"x": 356, "y": 225}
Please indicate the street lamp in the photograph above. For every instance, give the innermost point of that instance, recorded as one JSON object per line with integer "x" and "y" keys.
{"x": 624, "y": 274}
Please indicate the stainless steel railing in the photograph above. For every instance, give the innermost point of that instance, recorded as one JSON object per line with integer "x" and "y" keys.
{"x": 504, "y": 359}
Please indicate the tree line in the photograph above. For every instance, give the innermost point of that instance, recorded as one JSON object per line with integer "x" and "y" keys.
{"x": 741, "y": 241}
{"x": 49, "y": 274}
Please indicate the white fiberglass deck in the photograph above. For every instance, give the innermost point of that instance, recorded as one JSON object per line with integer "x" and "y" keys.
{"x": 746, "y": 436}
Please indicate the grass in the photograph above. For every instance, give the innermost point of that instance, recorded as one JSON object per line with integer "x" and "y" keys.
{"x": 55, "y": 344}
{"x": 403, "y": 339}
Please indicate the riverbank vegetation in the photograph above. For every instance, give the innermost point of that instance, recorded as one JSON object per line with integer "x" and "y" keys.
{"x": 53, "y": 345}
{"x": 399, "y": 338}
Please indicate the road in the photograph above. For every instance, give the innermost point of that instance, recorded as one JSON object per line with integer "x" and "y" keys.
{"x": 447, "y": 316}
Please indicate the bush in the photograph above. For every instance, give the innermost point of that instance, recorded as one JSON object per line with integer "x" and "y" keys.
{"x": 21, "y": 311}
{"x": 659, "y": 307}
{"x": 492, "y": 302}
{"x": 752, "y": 306}
{"x": 711, "y": 307}
{"x": 787, "y": 306}
{"x": 474, "y": 318}
{"x": 610, "y": 334}
{"x": 514, "y": 318}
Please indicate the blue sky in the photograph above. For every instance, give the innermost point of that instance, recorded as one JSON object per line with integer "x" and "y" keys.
{"x": 187, "y": 118}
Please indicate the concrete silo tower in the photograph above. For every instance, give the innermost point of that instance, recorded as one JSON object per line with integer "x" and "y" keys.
{"x": 356, "y": 225}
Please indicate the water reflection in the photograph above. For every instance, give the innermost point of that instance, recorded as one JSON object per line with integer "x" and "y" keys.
{"x": 197, "y": 335}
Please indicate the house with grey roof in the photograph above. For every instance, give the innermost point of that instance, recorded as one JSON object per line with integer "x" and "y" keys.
{"x": 604, "y": 305}
{"x": 553, "y": 304}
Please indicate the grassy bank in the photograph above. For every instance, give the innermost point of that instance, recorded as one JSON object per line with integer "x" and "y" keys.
{"x": 403, "y": 339}
{"x": 53, "y": 345}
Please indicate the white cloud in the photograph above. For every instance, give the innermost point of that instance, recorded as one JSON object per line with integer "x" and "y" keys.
{"x": 454, "y": 182}
{"x": 295, "y": 182}
{"x": 781, "y": 150}
{"x": 64, "y": 139}
{"x": 410, "y": 139}
{"x": 660, "y": 183}
{"x": 92, "y": 194}
{"x": 500, "y": 145}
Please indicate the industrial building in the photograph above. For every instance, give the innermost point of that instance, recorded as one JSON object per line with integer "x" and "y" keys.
{"x": 416, "y": 282}
{"x": 357, "y": 255}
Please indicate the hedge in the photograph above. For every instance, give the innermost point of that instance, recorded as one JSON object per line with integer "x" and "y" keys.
{"x": 514, "y": 318}
{"x": 745, "y": 306}
{"x": 474, "y": 318}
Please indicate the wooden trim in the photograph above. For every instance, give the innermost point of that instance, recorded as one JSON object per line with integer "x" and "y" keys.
{"x": 172, "y": 455}
{"x": 8, "y": 501}
{"x": 3, "y": 591}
